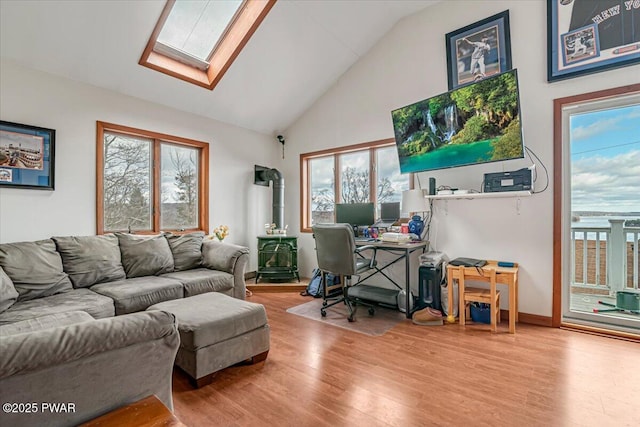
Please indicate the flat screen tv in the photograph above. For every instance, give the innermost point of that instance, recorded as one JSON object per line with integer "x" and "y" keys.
{"x": 477, "y": 123}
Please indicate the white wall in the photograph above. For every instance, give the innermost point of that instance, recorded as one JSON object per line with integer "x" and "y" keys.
{"x": 72, "y": 109}
{"x": 409, "y": 64}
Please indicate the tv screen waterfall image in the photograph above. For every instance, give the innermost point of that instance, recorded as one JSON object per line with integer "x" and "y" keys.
{"x": 477, "y": 123}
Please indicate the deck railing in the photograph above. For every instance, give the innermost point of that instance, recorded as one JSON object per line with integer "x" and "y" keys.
{"x": 605, "y": 258}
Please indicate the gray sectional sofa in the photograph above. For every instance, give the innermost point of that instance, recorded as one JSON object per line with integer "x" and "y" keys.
{"x": 73, "y": 325}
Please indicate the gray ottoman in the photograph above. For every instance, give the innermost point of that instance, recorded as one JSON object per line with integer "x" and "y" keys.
{"x": 217, "y": 331}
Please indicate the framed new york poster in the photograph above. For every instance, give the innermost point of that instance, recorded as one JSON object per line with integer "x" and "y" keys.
{"x": 589, "y": 36}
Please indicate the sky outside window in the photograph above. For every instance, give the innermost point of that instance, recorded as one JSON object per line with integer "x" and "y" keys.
{"x": 389, "y": 168}
{"x": 605, "y": 160}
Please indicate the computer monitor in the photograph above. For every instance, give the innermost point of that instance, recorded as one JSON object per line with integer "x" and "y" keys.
{"x": 355, "y": 213}
{"x": 390, "y": 211}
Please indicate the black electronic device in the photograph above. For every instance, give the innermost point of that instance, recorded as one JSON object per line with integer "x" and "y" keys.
{"x": 429, "y": 286}
{"x": 432, "y": 186}
{"x": 389, "y": 214}
{"x": 519, "y": 180}
{"x": 356, "y": 214}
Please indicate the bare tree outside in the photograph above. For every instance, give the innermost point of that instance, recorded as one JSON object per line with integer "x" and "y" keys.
{"x": 355, "y": 189}
{"x": 354, "y": 181}
{"x": 128, "y": 194}
{"x": 179, "y": 187}
{"x": 127, "y": 190}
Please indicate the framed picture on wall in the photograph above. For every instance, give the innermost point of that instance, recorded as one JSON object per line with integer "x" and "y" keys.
{"x": 586, "y": 36}
{"x": 26, "y": 156}
{"x": 479, "y": 50}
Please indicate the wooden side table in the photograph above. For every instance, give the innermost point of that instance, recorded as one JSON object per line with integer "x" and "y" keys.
{"x": 148, "y": 412}
{"x": 504, "y": 275}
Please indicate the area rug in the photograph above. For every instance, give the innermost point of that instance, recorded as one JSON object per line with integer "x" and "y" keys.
{"x": 376, "y": 325}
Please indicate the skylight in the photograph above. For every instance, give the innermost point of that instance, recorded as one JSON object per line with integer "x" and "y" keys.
{"x": 194, "y": 27}
{"x": 197, "y": 40}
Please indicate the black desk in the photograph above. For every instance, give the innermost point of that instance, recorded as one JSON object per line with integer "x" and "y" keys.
{"x": 402, "y": 251}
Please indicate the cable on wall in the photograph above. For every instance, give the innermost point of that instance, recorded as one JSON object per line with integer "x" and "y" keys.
{"x": 546, "y": 172}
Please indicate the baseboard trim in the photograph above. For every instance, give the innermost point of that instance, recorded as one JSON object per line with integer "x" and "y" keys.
{"x": 607, "y": 333}
{"x": 535, "y": 319}
{"x": 531, "y": 319}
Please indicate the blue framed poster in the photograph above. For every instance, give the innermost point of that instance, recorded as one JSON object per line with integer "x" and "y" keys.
{"x": 589, "y": 36}
{"x": 26, "y": 156}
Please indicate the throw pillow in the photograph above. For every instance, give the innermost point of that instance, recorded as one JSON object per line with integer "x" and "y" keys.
{"x": 186, "y": 250}
{"x": 90, "y": 259}
{"x": 35, "y": 268}
{"x": 145, "y": 255}
{"x": 8, "y": 293}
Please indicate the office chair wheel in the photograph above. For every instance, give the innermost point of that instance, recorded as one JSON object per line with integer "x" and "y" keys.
{"x": 323, "y": 312}
{"x": 371, "y": 311}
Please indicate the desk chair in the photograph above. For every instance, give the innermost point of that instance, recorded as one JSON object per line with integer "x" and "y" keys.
{"x": 489, "y": 296}
{"x": 337, "y": 254}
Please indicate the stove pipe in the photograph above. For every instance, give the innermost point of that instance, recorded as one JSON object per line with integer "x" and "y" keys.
{"x": 262, "y": 176}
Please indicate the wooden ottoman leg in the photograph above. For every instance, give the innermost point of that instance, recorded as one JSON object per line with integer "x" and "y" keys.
{"x": 203, "y": 381}
{"x": 259, "y": 357}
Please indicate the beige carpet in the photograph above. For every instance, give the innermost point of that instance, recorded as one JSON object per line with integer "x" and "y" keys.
{"x": 376, "y": 325}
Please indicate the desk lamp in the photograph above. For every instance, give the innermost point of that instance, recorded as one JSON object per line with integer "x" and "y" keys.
{"x": 415, "y": 201}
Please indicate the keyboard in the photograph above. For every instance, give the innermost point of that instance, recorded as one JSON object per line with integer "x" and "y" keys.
{"x": 365, "y": 239}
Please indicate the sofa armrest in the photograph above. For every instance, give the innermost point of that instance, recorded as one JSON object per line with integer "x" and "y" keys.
{"x": 97, "y": 366}
{"x": 230, "y": 258}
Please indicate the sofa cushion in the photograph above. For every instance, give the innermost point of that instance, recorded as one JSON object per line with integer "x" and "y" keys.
{"x": 201, "y": 280}
{"x": 131, "y": 295}
{"x": 35, "y": 268}
{"x": 97, "y": 306}
{"x": 145, "y": 255}
{"x": 186, "y": 250}
{"x": 8, "y": 293}
{"x": 90, "y": 259}
{"x": 45, "y": 322}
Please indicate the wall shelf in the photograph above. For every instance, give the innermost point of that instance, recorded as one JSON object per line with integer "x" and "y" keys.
{"x": 496, "y": 195}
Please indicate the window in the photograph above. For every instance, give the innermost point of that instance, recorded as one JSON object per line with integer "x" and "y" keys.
{"x": 366, "y": 172}
{"x": 197, "y": 41}
{"x": 150, "y": 182}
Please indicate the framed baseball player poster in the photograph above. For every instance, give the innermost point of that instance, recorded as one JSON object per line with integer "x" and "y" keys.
{"x": 479, "y": 50}
{"x": 589, "y": 36}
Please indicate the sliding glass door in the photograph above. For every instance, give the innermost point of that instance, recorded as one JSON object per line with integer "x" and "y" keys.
{"x": 600, "y": 209}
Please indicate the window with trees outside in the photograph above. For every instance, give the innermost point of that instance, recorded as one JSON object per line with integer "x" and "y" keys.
{"x": 359, "y": 173}
{"x": 150, "y": 182}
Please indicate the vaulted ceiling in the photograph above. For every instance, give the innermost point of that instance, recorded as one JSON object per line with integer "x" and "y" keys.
{"x": 298, "y": 52}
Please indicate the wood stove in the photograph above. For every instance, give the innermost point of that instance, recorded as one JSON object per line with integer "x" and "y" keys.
{"x": 277, "y": 258}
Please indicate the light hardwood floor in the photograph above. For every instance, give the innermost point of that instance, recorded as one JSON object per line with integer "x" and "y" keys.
{"x": 320, "y": 375}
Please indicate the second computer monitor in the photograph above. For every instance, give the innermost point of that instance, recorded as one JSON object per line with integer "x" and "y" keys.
{"x": 390, "y": 211}
{"x": 355, "y": 213}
